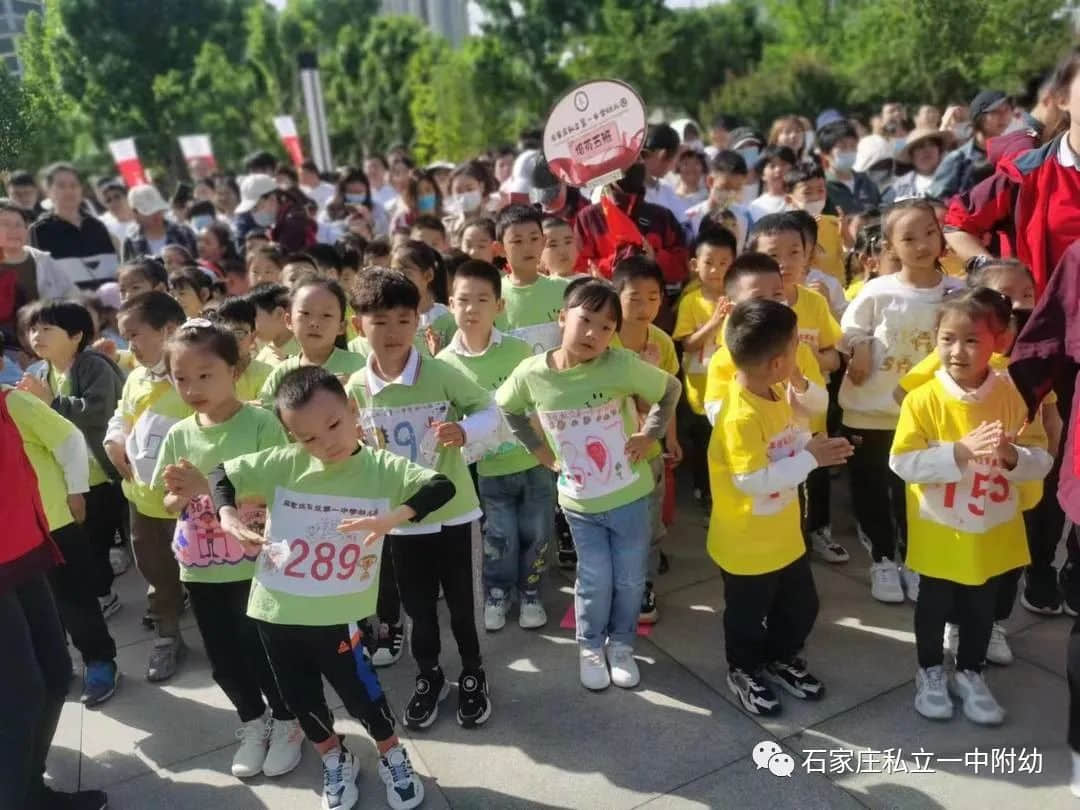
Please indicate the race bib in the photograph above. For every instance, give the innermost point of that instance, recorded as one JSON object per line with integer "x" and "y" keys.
{"x": 541, "y": 337}
{"x": 698, "y": 362}
{"x": 405, "y": 431}
{"x": 591, "y": 446}
{"x": 784, "y": 445}
{"x": 307, "y": 556}
{"x": 981, "y": 500}
{"x": 144, "y": 443}
{"x": 198, "y": 540}
{"x": 500, "y": 441}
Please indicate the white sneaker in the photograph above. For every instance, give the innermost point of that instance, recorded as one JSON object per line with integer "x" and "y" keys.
{"x": 339, "y": 780}
{"x": 404, "y": 789}
{"x": 950, "y": 642}
{"x": 495, "y": 607}
{"x": 997, "y": 651}
{"x": 885, "y": 582}
{"x": 979, "y": 704}
{"x": 910, "y": 580}
{"x": 119, "y": 560}
{"x": 532, "y": 614}
{"x": 286, "y": 747}
{"x": 593, "y": 670}
{"x": 249, "y": 757}
{"x": 821, "y": 543}
{"x": 624, "y": 669}
{"x": 932, "y": 695}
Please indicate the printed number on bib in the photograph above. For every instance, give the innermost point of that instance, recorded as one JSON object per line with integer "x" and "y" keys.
{"x": 784, "y": 445}
{"x": 981, "y": 500}
{"x": 307, "y": 555}
{"x": 541, "y": 337}
{"x": 591, "y": 446}
{"x": 198, "y": 540}
{"x": 144, "y": 443}
{"x": 405, "y": 431}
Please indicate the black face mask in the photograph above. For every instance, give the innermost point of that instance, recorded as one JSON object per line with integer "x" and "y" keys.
{"x": 1020, "y": 317}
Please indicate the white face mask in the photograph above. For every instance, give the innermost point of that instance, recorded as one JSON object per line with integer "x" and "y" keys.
{"x": 814, "y": 207}
{"x": 466, "y": 202}
{"x": 844, "y": 161}
{"x": 749, "y": 193}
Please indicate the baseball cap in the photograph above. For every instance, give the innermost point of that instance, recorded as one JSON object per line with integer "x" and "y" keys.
{"x": 986, "y": 101}
{"x": 827, "y": 117}
{"x": 252, "y": 189}
{"x": 147, "y": 200}
{"x": 520, "y": 180}
{"x": 740, "y": 136}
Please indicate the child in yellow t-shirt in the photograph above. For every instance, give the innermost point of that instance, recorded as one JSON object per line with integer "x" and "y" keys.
{"x": 697, "y": 326}
{"x": 962, "y": 447}
{"x": 758, "y": 456}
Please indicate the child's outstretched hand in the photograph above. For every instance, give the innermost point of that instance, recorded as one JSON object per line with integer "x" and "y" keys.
{"x": 829, "y": 451}
{"x": 859, "y": 366}
{"x": 982, "y": 441}
{"x": 449, "y": 434}
{"x": 32, "y": 385}
{"x": 232, "y": 524}
{"x": 636, "y": 447}
{"x": 376, "y": 526}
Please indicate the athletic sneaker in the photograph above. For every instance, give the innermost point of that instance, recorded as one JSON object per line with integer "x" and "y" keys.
{"x": 932, "y": 695}
{"x": 249, "y": 757}
{"x": 755, "y": 695}
{"x": 531, "y": 615}
{"x": 950, "y": 642}
{"x": 822, "y": 544}
{"x": 1069, "y": 582}
{"x": 339, "y": 780}
{"x": 1040, "y": 594}
{"x": 404, "y": 790}
{"x": 792, "y": 677}
{"x": 910, "y": 581}
{"x": 423, "y": 709}
{"x": 495, "y": 608}
{"x": 997, "y": 651}
{"x": 391, "y": 645}
{"x": 119, "y": 560}
{"x": 99, "y": 683}
{"x": 49, "y": 799}
{"x": 474, "y": 704}
{"x": 165, "y": 657}
{"x": 109, "y": 603}
{"x": 592, "y": 669}
{"x": 286, "y": 747}
{"x": 624, "y": 669}
{"x": 885, "y": 582}
{"x": 979, "y": 704}
{"x": 648, "y": 613}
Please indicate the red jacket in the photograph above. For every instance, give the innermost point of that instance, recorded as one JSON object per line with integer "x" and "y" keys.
{"x": 656, "y": 224}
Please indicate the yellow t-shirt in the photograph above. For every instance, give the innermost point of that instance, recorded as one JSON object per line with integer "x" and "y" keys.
{"x": 953, "y": 265}
{"x": 853, "y": 288}
{"x": 126, "y": 360}
{"x": 43, "y": 430}
{"x": 693, "y": 313}
{"x": 817, "y": 326}
{"x": 753, "y": 534}
{"x": 251, "y": 381}
{"x": 659, "y": 351}
{"x": 830, "y": 247}
{"x": 972, "y": 529}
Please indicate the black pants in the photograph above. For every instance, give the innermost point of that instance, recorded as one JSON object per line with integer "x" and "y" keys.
{"x": 972, "y": 608}
{"x": 1007, "y": 585}
{"x": 74, "y": 589}
{"x": 237, "y": 659}
{"x": 300, "y": 656}
{"x": 1072, "y": 670}
{"x": 33, "y": 684}
{"x": 423, "y": 561}
{"x": 767, "y": 617}
{"x": 698, "y": 432}
{"x": 388, "y": 608}
{"x": 877, "y": 493}
{"x": 105, "y": 510}
{"x": 817, "y": 512}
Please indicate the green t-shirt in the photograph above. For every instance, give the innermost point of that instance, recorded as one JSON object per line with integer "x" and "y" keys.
{"x": 267, "y": 355}
{"x": 587, "y": 414}
{"x": 309, "y": 573}
{"x": 490, "y": 370}
{"x": 148, "y": 408}
{"x": 43, "y": 430}
{"x": 398, "y": 419}
{"x": 340, "y": 362}
{"x": 659, "y": 351}
{"x": 438, "y": 318}
{"x": 61, "y": 387}
{"x": 250, "y": 383}
{"x": 205, "y": 553}
{"x": 532, "y": 311}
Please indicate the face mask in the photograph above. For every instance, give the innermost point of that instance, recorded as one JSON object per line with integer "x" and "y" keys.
{"x": 750, "y": 154}
{"x": 466, "y": 203}
{"x": 201, "y": 221}
{"x": 898, "y": 145}
{"x": 814, "y": 207}
{"x": 843, "y": 161}
{"x": 426, "y": 203}
{"x": 264, "y": 219}
{"x": 962, "y": 131}
{"x": 1020, "y": 317}
{"x": 749, "y": 193}
{"x": 356, "y": 199}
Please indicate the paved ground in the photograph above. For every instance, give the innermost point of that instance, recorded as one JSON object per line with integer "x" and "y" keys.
{"x": 677, "y": 741}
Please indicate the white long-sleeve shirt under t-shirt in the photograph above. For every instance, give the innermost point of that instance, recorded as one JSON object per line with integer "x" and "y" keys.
{"x": 899, "y": 321}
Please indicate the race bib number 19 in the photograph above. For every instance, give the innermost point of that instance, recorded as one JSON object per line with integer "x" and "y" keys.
{"x": 405, "y": 431}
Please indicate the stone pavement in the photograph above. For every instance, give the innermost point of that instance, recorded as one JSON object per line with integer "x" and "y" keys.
{"x": 677, "y": 741}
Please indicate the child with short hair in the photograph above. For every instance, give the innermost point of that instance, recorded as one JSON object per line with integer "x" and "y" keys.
{"x": 728, "y": 174}
{"x": 377, "y": 253}
{"x": 758, "y": 456}
{"x": 272, "y": 332}
{"x": 238, "y": 316}
{"x": 264, "y": 265}
{"x": 639, "y": 281}
{"x": 297, "y": 267}
{"x": 964, "y": 447}
{"x": 817, "y": 280}
{"x": 316, "y": 578}
{"x": 430, "y": 230}
{"x": 477, "y": 239}
{"x": 516, "y": 492}
{"x": 424, "y": 267}
{"x": 191, "y": 288}
{"x": 805, "y": 185}
{"x": 425, "y": 410}
{"x": 697, "y": 325}
{"x": 148, "y": 407}
{"x": 581, "y": 393}
{"x": 560, "y": 250}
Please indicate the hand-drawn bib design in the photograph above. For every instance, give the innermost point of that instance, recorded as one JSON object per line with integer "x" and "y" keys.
{"x": 541, "y": 336}
{"x": 981, "y": 500}
{"x": 591, "y": 446}
{"x": 405, "y": 430}
{"x": 781, "y": 446}
{"x": 307, "y": 556}
{"x": 500, "y": 441}
{"x": 198, "y": 540}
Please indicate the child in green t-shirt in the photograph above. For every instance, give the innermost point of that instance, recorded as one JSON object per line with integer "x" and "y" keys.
{"x": 330, "y": 503}
{"x": 204, "y": 363}
{"x": 516, "y": 491}
{"x": 424, "y": 267}
{"x": 238, "y": 316}
{"x": 585, "y": 395}
{"x": 272, "y": 332}
{"x": 425, "y": 410}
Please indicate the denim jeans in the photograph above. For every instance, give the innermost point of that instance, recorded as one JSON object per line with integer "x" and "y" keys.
{"x": 612, "y": 548}
{"x": 519, "y": 508}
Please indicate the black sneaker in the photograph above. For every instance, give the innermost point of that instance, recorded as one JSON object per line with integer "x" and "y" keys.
{"x": 567, "y": 552}
{"x": 1040, "y": 594}
{"x": 792, "y": 677}
{"x": 665, "y": 564}
{"x": 648, "y": 613}
{"x": 391, "y": 645}
{"x": 423, "y": 709}
{"x": 474, "y": 706}
{"x": 755, "y": 695}
{"x": 49, "y": 799}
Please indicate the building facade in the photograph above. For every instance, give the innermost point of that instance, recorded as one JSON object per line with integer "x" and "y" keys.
{"x": 450, "y": 18}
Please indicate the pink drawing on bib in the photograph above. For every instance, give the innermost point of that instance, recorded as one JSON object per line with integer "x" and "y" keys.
{"x": 199, "y": 541}
{"x": 601, "y": 457}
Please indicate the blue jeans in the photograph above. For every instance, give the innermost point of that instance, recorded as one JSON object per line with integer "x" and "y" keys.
{"x": 612, "y": 549}
{"x": 519, "y": 509}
